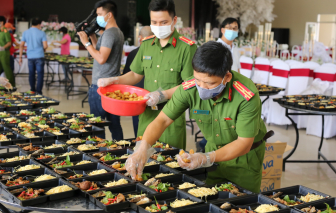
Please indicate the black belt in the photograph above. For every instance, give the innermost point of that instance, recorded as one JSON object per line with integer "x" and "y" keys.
{"x": 257, "y": 144}
{"x": 159, "y": 106}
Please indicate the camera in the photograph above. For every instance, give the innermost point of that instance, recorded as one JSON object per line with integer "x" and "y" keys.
{"x": 88, "y": 25}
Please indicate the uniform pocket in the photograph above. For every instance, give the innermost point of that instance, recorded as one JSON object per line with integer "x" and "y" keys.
{"x": 172, "y": 73}
{"x": 203, "y": 121}
{"x": 147, "y": 64}
{"x": 229, "y": 127}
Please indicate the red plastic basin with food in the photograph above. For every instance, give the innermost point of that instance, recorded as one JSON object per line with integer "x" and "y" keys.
{"x": 119, "y": 107}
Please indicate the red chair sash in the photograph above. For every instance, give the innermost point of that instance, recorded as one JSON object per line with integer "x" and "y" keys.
{"x": 280, "y": 73}
{"x": 262, "y": 67}
{"x": 303, "y": 72}
{"x": 246, "y": 66}
{"x": 324, "y": 76}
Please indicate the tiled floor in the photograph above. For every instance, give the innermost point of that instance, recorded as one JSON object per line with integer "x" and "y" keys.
{"x": 316, "y": 176}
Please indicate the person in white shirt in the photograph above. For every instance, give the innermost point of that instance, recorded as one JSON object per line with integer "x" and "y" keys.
{"x": 229, "y": 31}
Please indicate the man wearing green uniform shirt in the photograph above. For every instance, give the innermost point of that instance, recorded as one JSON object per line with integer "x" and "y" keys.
{"x": 5, "y": 44}
{"x": 227, "y": 109}
{"x": 165, "y": 61}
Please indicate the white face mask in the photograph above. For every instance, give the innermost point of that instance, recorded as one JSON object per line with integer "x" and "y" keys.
{"x": 162, "y": 32}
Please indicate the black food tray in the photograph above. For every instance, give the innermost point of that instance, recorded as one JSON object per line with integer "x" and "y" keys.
{"x": 319, "y": 204}
{"x": 179, "y": 179}
{"x": 3, "y": 156}
{"x": 86, "y": 169}
{"x": 201, "y": 208}
{"x": 16, "y": 114}
{"x": 295, "y": 191}
{"x": 125, "y": 190}
{"x": 103, "y": 180}
{"x": 32, "y": 175}
{"x": 46, "y": 185}
{"x": 157, "y": 169}
{"x": 101, "y": 124}
{"x": 73, "y": 158}
{"x": 116, "y": 153}
{"x": 249, "y": 202}
{"x": 167, "y": 198}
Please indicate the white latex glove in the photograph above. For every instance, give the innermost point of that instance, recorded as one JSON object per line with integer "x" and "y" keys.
{"x": 4, "y": 82}
{"x": 155, "y": 97}
{"x": 1, "y": 48}
{"x": 196, "y": 160}
{"x": 135, "y": 163}
{"x": 103, "y": 82}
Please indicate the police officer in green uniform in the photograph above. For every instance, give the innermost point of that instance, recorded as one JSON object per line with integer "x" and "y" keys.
{"x": 227, "y": 109}
{"x": 165, "y": 61}
{"x": 5, "y": 44}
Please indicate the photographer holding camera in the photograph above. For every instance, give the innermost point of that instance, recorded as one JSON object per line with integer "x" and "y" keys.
{"x": 107, "y": 52}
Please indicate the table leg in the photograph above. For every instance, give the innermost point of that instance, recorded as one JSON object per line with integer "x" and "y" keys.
{"x": 296, "y": 142}
{"x": 267, "y": 97}
{"x": 321, "y": 142}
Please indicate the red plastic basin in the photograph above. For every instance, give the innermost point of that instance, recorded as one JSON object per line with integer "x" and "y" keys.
{"x": 119, "y": 107}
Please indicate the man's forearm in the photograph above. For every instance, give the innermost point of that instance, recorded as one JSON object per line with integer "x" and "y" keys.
{"x": 171, "y": 91}
{"x": 21, "y": 50}
{"x": 7, "y": 45}
{"x": 94, "y": 41}
{"x": 233, "y": 150}
{"x": 156, "y": 128}
{"x": 130, "y": 78}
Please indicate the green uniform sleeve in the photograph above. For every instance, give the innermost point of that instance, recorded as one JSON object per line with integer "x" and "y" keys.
{"x": 178, "y": 104}
{"x": 136, "y": 65}
{"x": 7, "y": 37}
{"x": 249, "y": 115}
{"x": 187, "y": 69}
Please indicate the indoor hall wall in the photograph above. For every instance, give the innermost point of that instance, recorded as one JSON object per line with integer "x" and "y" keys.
{"x": 294, "y": 14}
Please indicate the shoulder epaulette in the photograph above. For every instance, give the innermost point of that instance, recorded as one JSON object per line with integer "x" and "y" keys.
{"x": 189, "y": 84}
{"x": 244, "y": 91}
{"x": 148, "y": 37}
{"x": 186, "y": 40}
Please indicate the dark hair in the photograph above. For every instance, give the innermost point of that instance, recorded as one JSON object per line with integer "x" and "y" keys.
{"x": 64, "y": 30}
{"x": 36, "y": 21}
{"x": 108, "y": 6}
{"x": 212, "y": 58}
{"x": 163, "y": 5}
{"x": 3, "y": 19}
{"x": 229, "y": 20}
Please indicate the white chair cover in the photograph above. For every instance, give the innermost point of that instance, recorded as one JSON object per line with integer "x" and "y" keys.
{"x": 326, "y": 73}
{"x": 299, "y": 77}
{"x": 261, "y": 71}
{"x": 279, "y": 78}
{"x": 246, "y": 65}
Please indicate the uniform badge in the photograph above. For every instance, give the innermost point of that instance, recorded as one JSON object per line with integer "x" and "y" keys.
{"x": 246, "y": 93}
{"x": 174, "y": 42}
{"x": 147, "y": 57}
{"x": 186, "y": 40}
{"x": 201, "y": 112}
{"x": 189, "y": 84}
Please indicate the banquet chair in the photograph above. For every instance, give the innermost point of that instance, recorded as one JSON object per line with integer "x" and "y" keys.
{"x": 246, "y": 65}
{"x": 312, "y": 66}
{"x": 326, "y": 73}
{"x": 279, "y": 78}
{"x": 261, "y": 70}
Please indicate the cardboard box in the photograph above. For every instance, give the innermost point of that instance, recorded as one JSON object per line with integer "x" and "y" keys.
{"x": 269, "y": 184}
{"x": 272, "y": 164}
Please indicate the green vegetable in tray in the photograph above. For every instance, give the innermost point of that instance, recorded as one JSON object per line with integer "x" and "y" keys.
{"x": 289, "y": 201}
{"x": 90, "y": 116}
{"x": 161, "y": 187}
{"x": 328, "y": 210}
{"x": 42, "y": 122}
{"x": 74, "y": 126}
{"x": 145, "y": 176}
{"x": 109, "y": 198}
{"x": 108, "y": 157}
{"x": 225, "y": 187}
{"x": 89, "y": 138}
{"x": 161, "y": 158}
{"x": 98, "y": 119}
{"x": 65, "y": 163}
{"x": 51, "y": 110}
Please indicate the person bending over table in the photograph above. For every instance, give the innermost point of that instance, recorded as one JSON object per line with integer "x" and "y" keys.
{"x": 227, "y": 109}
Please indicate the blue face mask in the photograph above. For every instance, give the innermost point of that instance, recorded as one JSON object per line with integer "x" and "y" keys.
{"x": 206, "y": 94}
{"x": 101, "y": 21}
{"x": 230, "y": 34}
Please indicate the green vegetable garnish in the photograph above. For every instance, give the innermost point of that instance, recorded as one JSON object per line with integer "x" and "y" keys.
{"x": 98, "y": 119}
{"x": 164, "y": 208}
{"x": 288, "y": 200}
{"x": 42, "y": 122}
{"x": 90, "y": 115}
{"x": 108, "y": 157}
{"x": 52, "y": 110}
{"x": 108, "y": 195}
{"x": 328, "y": 210}
{"x": 161, "y": 158}
{"x": 145, "y": 176}
{"x": 224, "y": 187}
